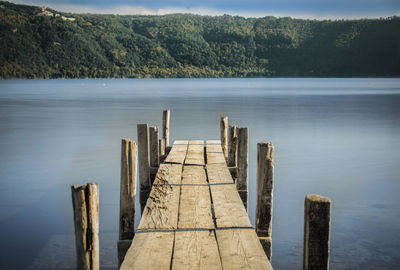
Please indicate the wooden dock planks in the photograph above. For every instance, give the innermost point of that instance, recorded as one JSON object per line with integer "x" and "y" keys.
{"x": 228, "y": 207}
{"x": 218, "y": 174}
{"x": 146, "y": 247}
{"x": 241, "y": 249}
{"x": 179, "y": 230}
{"x": 196, "y": 250}
{"x": 161, "y": 210}
{"x": 195, "y": 208}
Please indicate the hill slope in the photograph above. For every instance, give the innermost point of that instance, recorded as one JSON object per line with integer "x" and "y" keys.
{"x": 50, "y": 44}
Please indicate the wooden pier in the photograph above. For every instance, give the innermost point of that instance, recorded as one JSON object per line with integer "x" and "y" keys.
{"x": 194, "y": 217}
{"x": 193, "y": 199}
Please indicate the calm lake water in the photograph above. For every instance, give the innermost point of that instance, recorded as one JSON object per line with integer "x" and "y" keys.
{"x": 336, "y": 137}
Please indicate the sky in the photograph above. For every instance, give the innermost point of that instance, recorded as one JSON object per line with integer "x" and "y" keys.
{"x": 310, "y": 9}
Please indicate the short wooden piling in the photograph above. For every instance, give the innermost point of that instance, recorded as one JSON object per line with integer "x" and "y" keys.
{"x": 242, "y": 164}
{"x": 154, "y": 147}
{"x": 129, "y": 154}
{"x": 265, "y": 181}
{"x": 144, "y": 163}
{"x": 85, "y": 201}
{"x": 317, "y": 211}
{"x": 232, "y": 146}
{"x": 165, "y": 119}
{"x": 224, "y": 135}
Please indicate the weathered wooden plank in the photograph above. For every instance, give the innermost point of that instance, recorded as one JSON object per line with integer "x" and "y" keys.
{"x": 213, "y": 142}
{"x": 228, "y": 207}
{"x": 194, "y": 175}
{"x": 232, "y": 146}
{"x": 213, "y": 158}
{"x": 177, "y": 154}
{"x": 178, "y": 142}
{"x": 161, "y": 210}
{"x": 199, "y": 142}
{"x": 214, "y": 148}
{"x": 152, "y": 250}
{"x": 195, "y": 208}
{"x": 154, "y": 147}
{"x": 169, "y": 174}
{"x": 218, "y": 174}
{"x": 196, "y": 250}
{"x": 240, "y": 249}
{"x": 195, "y": 154}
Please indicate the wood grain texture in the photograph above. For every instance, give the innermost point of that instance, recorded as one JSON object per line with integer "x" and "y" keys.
{"x": 195, "y": 208}
{"x": 224, "y": 135}
{"x": 129, "y": 151}
{"x": 161, "y": 210}
{"x": 177, "y": 154}
{"x": 228, "y": 207}
{"x": 213, "y": 158}
{"x": 199, "y": 142}
{"x": 154, "y": 147}
{"x": 213, "y": 148}
{"x": 148, "y": 251}
{"x": 195, "y": 154}
{"x": 168, "y": 174}
{"x": 178, "y": 142}
{"x": 213, "y": 142}
{"x": 241, "y": 249}
{"x": 196, "y": 250}
{"x": 194, "y": 175}
{"x": 218, "y": 174}
{"x": 166, "y": 120}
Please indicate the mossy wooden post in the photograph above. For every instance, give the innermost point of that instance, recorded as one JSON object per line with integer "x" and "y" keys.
{"x": 129, "y": 152}
{"x": 232, "y": 146}
{"x": 242, "y": 164}
{"x": 85, "y": 201}
{"x": 265, "y": 183}
{"x": 165, "y": 120}
{"x": 144, "y": 163}
{"x": 224, "y": 135}
{"x": 317, "y": 212}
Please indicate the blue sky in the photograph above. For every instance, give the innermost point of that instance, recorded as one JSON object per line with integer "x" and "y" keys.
{"x": 314, "y": 9}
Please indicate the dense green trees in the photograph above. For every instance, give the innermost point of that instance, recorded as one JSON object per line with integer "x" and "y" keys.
{"x": 35, "y": 45}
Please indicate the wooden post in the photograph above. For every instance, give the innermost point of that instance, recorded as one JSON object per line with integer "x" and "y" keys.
{"x": 161, "y": 151}
{"x": 85, "y": 201}
{"x": 165, "y": 118}
{"x": 224, "y": 135}
{"x": 129, "y": 153}
{"x": 154, "y": 148}
{"x": 242, "y": 163}
{"x": 144, "y": 163}
{"x": 317, "y": 212}
{"x": 265, "y": 183}
{"x": 232, "y": 146}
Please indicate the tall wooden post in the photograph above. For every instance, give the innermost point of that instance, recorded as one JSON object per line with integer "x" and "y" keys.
{"x": 85, "y": 201}
{"x": 232, "y": 146}
{"x": 224, "y": 135}
{"x": 144, "y": 163}
{"x": 165, "y": 119}
{"x": 129, "y": 152}
{"x": 154, "y": 148}
{"x": 317, "y": 212}
{"x": 242, "y": 164}
{"x": 161, "y": 150}
{"x": 265, "y": 183}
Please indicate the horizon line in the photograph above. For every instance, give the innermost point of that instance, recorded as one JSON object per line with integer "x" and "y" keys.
{"x": 126, "y": 10}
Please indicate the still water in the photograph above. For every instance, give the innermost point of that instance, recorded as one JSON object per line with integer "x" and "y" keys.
{"x": 336, "y": 137}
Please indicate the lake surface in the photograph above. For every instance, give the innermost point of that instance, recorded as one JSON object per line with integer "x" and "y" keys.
{"x": 336, "y": 137}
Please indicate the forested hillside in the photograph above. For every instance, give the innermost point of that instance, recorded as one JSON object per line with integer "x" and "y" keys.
{"x": 37, "y": 43}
